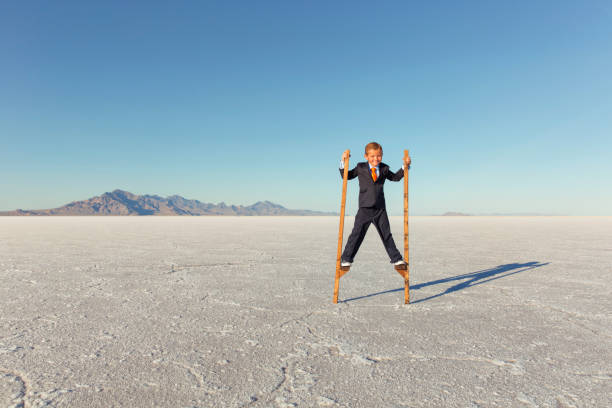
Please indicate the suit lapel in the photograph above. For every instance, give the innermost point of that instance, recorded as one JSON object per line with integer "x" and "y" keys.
{"x": 381, "y": 172}
{"x": 366, "y": 169}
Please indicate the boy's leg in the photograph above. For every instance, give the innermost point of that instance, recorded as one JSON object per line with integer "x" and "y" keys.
{"x": 381, "y": 222}
{"x": 363, "y": 219}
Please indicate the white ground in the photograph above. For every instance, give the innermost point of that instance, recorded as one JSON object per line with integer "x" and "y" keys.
{"x": 231, "y": 312}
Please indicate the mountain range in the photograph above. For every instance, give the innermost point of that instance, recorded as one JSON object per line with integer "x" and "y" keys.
{"x": 120, "y": 202}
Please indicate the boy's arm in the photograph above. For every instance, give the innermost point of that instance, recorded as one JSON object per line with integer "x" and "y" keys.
{"x": 397, "y": 176}
{"x": 351, "y": 173}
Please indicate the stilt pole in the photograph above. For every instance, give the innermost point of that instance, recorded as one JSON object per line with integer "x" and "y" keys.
{"x": 406, "y": 245}
{"x": 339, "y": 271}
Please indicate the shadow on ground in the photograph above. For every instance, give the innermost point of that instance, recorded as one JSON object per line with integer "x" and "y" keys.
{"x": 468, "y": 280}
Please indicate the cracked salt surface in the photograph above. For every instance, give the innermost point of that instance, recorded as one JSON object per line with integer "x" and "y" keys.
{"x": 237, "y": 312}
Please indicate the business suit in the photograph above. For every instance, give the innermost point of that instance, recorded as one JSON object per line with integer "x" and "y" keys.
{"x": 372, "y": 209}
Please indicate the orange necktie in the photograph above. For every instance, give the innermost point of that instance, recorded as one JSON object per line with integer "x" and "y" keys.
{"x": 374, "y": 173}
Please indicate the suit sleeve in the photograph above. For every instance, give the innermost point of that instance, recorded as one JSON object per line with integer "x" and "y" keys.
{"x": 351, "y": 173}
{"x": 397, "y": 176}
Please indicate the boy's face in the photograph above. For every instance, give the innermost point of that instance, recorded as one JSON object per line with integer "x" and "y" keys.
{"x": 374, "y": 157}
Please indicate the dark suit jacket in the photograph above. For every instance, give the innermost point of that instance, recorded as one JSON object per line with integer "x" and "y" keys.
{"x": 371, "y": 193}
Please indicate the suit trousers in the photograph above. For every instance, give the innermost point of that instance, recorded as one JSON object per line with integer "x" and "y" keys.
{"x": 366, "y": 216}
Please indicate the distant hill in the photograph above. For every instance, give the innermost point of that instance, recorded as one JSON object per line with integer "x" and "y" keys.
{"x": 452, "y": 213}
{"x": 119, "y": 202}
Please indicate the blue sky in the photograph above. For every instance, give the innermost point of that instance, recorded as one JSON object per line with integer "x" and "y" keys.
{"x": 506, "y": 107}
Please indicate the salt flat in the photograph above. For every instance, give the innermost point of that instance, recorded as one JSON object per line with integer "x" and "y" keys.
{"x": 237, "y": 312}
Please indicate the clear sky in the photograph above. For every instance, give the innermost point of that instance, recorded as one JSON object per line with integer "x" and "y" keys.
{"x": 506, "y": 107}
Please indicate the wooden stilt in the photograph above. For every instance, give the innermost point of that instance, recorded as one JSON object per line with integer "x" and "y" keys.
{"x": 339, "y": 270}
{"x": 404, "y": 270}
{"x": 406, "y": 246}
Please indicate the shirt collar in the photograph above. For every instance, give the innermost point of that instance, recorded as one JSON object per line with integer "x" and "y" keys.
{"x": 373, "y": 167}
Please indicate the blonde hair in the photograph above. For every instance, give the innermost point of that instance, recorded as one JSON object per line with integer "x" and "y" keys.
{"x": 373, "y": 146}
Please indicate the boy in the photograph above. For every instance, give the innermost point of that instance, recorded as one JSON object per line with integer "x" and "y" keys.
{"x": 372, "y": 175}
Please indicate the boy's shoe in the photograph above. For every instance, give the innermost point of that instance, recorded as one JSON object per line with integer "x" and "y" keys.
{"x": 401, "y": 264}
{"x": 345, "y": 264}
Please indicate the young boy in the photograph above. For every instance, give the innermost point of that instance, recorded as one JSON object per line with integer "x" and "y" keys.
{"x": 372, "y": 175}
